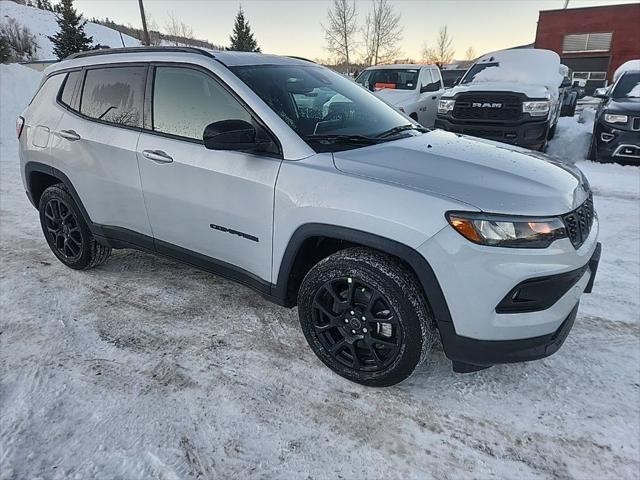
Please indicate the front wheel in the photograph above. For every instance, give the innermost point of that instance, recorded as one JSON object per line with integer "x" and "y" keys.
{"x": 66, "y": 231}
{"x": 364, "y": 315}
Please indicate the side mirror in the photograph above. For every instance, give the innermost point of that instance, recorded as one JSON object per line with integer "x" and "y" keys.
{"x": 235, "y": 135}
{"x": 430, "y": 87}
{"x": 601, "y": 92}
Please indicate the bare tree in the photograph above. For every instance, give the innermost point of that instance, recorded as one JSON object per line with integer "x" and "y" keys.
{"x": 341, "y": 29}
{"x": 442, "y": 53}
{"x": 381, "y": 33}
{"x": 469, "y": 54}
{"x": 18, "y": 43}
{"x": 179, "y": 32}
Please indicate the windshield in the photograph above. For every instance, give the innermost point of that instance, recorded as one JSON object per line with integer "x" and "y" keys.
{"x": 628, "y": 86}
{"x": 327, "y": 110}
{"x": 476, "y": 69}
{"x": 391, "y": 78}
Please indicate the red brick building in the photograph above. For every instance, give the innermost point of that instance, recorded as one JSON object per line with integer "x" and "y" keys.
{"x": 592, "y": 41}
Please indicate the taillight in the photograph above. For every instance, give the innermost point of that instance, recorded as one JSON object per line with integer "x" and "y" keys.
{"x": 19, "y": 126}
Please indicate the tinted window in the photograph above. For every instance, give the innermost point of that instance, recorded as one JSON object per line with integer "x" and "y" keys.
{"x": 315, "y": 101}
{"x": 185, "y": 101}
{"x": 627, "y": 86}
{"x": 69, "y": 87}
{"x": 114, "y": 95}
{"x": 394, "y": 78}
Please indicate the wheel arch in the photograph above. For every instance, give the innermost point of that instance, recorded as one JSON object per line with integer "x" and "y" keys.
{"x": 312, "y": 242}
{"x": 40, "y": 176}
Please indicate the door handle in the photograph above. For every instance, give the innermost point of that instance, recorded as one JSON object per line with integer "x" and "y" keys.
{"x": 157, "y": 156}
{"x": 70, "y": 135}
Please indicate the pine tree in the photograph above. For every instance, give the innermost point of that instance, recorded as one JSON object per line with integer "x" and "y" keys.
{"x": 242, "y": 39}
{"x": 71, "y": 37}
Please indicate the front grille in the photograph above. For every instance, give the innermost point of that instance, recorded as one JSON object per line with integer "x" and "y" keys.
{"x": 478, "y": 107}
{"x": 635, "y": 123}
{"x": 578, "y": 223}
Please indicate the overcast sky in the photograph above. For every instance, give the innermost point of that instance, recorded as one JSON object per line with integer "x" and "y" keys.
{"x": 292, "y": 27}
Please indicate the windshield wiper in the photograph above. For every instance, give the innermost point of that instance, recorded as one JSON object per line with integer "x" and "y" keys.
{"x": 344, "y": 139}
{"x": 401, "y": 128}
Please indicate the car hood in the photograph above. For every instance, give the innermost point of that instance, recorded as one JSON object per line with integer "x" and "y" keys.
{"x": 489, "y": 176}
{"x": 531, "y": 91}
{"x": 631, "y": 105}
{"x": 395, "y": 97}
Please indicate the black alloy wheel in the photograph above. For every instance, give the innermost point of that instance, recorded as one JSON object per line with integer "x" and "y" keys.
{"x": 66, "y": 231}
{"x": 356, "y": 325}
{"x": 63, "y": 230}
{"x": 365, "y": 316}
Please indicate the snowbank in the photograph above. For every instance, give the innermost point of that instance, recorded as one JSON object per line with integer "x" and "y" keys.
{"x": 17, "y": 86}
{"x": 531, "y": 66}
{"x": 43, "y": 24}
{"x": 631, "y": 65}
{"x": 573, "y": 136}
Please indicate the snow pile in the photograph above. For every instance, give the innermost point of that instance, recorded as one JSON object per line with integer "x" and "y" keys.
{"x": 630, "y": 66}
{"x": 43, "y": 24}
{"x": 573, "y": 136}
{"x": 17, "y": 86}
{"x": 529, "y": 66}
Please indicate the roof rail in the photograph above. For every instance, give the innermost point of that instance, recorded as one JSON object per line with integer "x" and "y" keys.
{"x": 114, "y": 51}
{"x": 300, "y": 58}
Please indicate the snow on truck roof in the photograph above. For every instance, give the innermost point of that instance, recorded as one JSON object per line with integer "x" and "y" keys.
{"x": 530, "y": 66}
{"x": 630, "y": 66}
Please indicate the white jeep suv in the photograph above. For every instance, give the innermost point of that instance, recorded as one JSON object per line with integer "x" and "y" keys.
{"x": 385, "y": 235}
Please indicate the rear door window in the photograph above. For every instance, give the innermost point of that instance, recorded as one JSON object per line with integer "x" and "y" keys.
{"x": 114, "y": 95}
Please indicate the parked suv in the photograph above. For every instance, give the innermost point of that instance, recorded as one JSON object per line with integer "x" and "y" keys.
{"x": 384, "y": 235}
{"x": 512, "y": 96}
{"x": 616, "y": 130}
{"x": 412, "y": 89}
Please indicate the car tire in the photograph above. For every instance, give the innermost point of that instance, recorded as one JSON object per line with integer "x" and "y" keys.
{"x": 364, "y": 315}
{"x": 67, "y": 233}
{"x": 552, "y": 132}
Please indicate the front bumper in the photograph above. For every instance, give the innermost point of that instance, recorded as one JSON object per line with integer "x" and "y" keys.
{"x": 617, "y": 145}
{"x": 475, "y": 280}
{"x": 469, "y": 354}
{"x": 531, "y": 135}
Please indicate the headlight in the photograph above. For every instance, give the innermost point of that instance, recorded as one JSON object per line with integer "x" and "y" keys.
{"x": 505, "y": 231}
{"x": 536, "y": 109}
{"x": 615, "y": 118}
{"x": 445, "y": 106}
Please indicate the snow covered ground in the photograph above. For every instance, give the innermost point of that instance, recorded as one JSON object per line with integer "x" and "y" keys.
{"x": 146, "y": 368}
{"x": 43, "y": 24}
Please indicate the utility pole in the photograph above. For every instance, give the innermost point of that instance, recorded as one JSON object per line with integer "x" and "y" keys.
{"x": 146, "y": 40}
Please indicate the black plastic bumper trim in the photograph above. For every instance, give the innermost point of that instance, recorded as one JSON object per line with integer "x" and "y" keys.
{"x": 469, "y": 354}
{"x": 540, "y": 293}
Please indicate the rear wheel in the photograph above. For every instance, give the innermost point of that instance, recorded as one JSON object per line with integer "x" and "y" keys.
{"x": 67, "y": 233}
{"x": 365, "y": 317}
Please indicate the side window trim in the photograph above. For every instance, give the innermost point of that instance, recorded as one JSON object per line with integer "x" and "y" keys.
{"x": 77, "y": 100}
{"x": 150, "y": 92}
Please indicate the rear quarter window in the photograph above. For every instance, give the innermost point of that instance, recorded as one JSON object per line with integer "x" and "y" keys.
{"x": 114, "y": 95}
{"x": 69, "y": 87}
